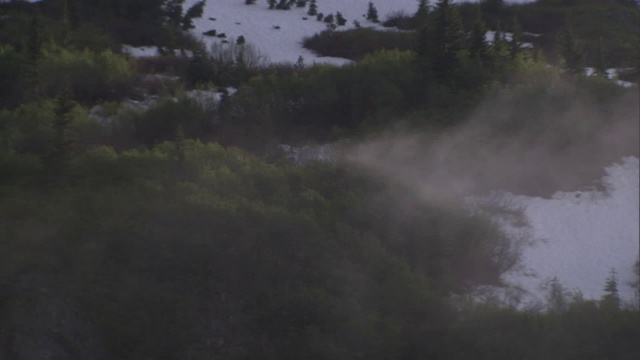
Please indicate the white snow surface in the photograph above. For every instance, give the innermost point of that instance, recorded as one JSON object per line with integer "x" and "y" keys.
{"x": 580, "y": 236}
{"x": 256, "y": 23}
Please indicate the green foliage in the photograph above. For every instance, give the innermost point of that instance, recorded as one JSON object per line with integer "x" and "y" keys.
{"x": 11, "y": 79}
{"x": 316, "y": 100}
{"x": 442, "y": 42}
{"x": 357, "y": 43}
{"x": 161, "y": 122}
{"x": 85, "y": 75}
{"x": 571, "y": 51}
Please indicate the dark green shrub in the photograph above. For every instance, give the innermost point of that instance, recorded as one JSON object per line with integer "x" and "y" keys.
{"x": 355, "y": 44}
{"x": 161, "y": 122}
{"x": 87, "y": 76}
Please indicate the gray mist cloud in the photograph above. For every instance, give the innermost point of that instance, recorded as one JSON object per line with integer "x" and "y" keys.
{"x": 531, "y": 141}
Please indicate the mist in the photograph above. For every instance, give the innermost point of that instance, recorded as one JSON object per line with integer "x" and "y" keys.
{"x": 530, "y": 141}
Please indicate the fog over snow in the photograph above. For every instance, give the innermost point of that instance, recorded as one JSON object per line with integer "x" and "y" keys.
{"x": 578, "y": 236}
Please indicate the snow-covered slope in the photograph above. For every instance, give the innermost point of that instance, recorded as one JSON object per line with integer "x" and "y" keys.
{"x": 580, "y": 236}
{"x": 258, "y": 24}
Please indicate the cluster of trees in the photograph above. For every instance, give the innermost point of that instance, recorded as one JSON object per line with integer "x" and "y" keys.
{"x": 180, "y": 231}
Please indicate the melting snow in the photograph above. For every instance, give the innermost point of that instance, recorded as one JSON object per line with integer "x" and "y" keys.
{"x": 579, "y": 236}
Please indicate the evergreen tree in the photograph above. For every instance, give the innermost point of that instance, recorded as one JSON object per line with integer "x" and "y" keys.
{"x": 313, "y": 8}
{"x": 58, "y": 160}
{"x": 194, "y": 11}
{"x": 173, "y": 12}
{"x": 422, "y": 12}
{"x": 272, "y": 4}
{"x": 340, "y": 20}
{"x": 33, "y": 55}
{"x": 301, "y": 3}
{"x": 65, "y": 24}
{"x": 611, "y": 298}
{"x": 329, "y": 19}
{"x": 478, "y": 47}
{"x": 442, "y": 42}
{"x": 571, "y": 51}
{"x": 557, "y": 296}
{"x": 372, "y": 13}
{"x": 492, "y": 7}
{"x": 516, "y": 39}
{"x": 600, "y": 64}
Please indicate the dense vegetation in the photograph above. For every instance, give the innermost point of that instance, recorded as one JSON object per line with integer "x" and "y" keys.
{"x": 179, "y": 229}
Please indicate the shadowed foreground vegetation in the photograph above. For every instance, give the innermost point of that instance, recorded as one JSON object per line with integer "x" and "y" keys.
{"x": 138, "y": 222}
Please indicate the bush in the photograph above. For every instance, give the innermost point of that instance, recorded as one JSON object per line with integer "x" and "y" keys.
{"x": 87, "y": 76}
{"x": 401, "y": 20}
{"x": 161, "y": 122}
{"x": 11, "y": 69}
{"x": 357, "y": 43}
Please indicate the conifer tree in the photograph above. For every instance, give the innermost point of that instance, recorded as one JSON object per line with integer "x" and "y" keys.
{"x": 33, "y": 55}
{"x": 478, "y": 47}
{"x": 313, "y": 8}
{"x": 516, "y": 39}
{"x": 340, "y": 20}
{"x": 556, "y": 296}
{"x": 301, "y": 3}
{"x": 65, "y": 24}
{"x": 372, "y": 13}
{"x": 600, "y": 64}
{"x": 611, "y": 299}
{"x": 272, "y": 4}
{"x": 195, "y": 11}
{"x": 422, "y": 12}
{"x": 442, "y": 42}
{"x": 571, "y": 51}
{"x": 329, "y": 19}
{"x": 57, "y": 162}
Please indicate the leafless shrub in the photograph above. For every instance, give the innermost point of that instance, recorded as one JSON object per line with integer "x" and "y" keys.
{"x": 231, "y": 53}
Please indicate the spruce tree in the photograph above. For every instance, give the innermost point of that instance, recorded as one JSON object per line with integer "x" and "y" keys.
{"x": 571, "y": 51}
{"x": 422, "y": 12}
{"x": 478, "y": 47}
{"x": 372, "y": 13}
{"x": 516, "y": 39}
{"x": 33, "y": 55}
{"x": 611, "y": 298}
{"x": 58, "y": 160}
{"x": 313, "y": 8}
{"x": 600, "y": 64}
{"x": 329, "y": 19}
{"x": 194, "y": 11}
{"x": 65, "y": 24}
{"x": 340, "y": 20}
{"x": 447, "y": 40}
